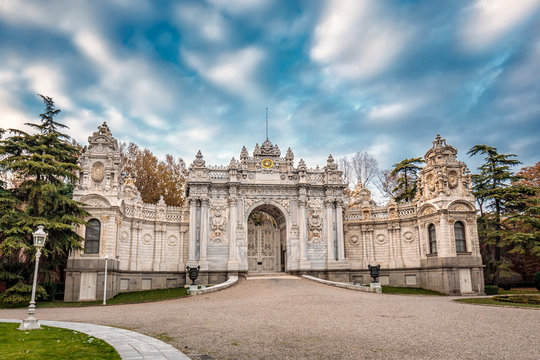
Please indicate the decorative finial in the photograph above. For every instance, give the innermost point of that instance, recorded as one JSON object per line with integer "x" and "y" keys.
{"x": 439, "y": 142}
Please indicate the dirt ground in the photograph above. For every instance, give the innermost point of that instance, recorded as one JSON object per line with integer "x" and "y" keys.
{"x": 301, "y": 319}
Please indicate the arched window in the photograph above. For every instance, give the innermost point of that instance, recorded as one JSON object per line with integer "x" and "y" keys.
{"x": 432, "y": 239}
{"x": 459, "y": 235}
{"x": 93, "y": 232}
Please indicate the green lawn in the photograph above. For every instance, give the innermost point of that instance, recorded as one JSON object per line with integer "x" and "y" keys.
{"x": 490, "y": 301}
{"x": 409, "y": 291}
{"x": 51, "y": 343}
{"x": 123, "y": 298}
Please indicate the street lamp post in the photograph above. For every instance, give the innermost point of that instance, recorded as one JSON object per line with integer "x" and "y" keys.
{"x": 105, "y": 282}
{"x": 31, "y": 322}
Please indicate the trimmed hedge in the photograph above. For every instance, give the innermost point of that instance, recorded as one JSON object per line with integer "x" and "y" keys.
{"x": 537, "y": 280}
{"x": 491, "y": 289}
{"x": 520, "y": 299}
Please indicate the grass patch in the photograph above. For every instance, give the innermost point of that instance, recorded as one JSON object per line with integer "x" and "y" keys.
{"x": 409, "y": 291}
{"x": 491, "y": 301}
{"x": 51, "y": 342}
{"x": 123, "y": 298}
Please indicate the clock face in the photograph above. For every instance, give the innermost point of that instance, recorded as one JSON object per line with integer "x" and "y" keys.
{"x": 267, "y": 163}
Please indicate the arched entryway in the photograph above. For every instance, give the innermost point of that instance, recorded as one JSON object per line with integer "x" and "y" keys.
{"x": 267, "y": 231}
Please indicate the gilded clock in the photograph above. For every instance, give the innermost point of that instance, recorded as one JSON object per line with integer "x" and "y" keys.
{"x": 267, "y": 163}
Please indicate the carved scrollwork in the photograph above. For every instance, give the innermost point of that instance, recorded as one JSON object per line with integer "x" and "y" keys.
{"x": 380, "y": 239}
{"x": 98, "y": 172}
{"x": 408, "y": 237}
{"x": 354, "y": 240}
{"x": 172, "y": 240}
{"x": 147, "y": 239}
{"x": 315, "y": 223}
{"x": 217, "y": 240}
{"x": 217, "y": 223}
{"x": 453, "y": 179}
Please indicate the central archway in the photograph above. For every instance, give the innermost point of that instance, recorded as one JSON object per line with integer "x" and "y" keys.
{"x": 267, "y": 231}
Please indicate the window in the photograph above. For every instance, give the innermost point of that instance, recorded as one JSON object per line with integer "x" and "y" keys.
{"x": 93, "y": 230}
{"x": 432, "y": 239}
{"x": 459, "y": 235}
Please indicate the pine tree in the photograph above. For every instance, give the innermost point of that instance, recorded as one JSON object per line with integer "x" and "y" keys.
{"x": 509, "y": 222}
{"x": 488, "y": 186}
{"x": 406, "y": 174}
{"x": 45, "y": 164}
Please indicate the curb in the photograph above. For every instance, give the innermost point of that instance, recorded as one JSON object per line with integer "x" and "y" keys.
{"x": 339, "y": 284}
{"x": 129, "y": 344}
{"x": 232, "y": 280}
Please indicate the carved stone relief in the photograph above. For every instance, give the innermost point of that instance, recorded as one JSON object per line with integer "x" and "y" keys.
{"x": 147, "y": 239}
{"x": 408, "y": 237}
{"x": 172, "y": 240}
{"x": 354, "y": 240}
{"x": 98, "y": 172}
{"x": 380, "y": 239}
{"x": 315, "y": 223}
{"x": 217, "y": 223}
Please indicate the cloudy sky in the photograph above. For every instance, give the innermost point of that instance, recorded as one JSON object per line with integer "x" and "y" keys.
{"x": 337, "y": 76}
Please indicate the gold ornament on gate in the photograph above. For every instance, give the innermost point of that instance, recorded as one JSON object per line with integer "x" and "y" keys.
{"x": 267, "y": 163}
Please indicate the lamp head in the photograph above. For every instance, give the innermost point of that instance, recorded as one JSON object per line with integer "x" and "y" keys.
{"x": 39, "y": 237}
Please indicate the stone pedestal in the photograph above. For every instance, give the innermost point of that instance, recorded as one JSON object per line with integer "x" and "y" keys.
{"x": 375, "y": 287}
{"x": 30, "y": 323}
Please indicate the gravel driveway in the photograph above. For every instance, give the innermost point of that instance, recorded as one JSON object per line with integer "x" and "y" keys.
{"x": 301, "y": 319}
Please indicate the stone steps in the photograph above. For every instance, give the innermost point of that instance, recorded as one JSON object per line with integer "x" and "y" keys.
{"x": 271, "y": 276}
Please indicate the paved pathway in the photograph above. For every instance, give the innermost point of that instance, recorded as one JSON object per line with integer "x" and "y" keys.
{"x": 129, "y": 344}
{"x": 301, "y": 319}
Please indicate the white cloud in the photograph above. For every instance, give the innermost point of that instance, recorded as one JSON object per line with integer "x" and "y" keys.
{"x": 234, "y": 71}
{"x": 207, "y": 22}
{"x": 488, "y": 20}
{"x": 240, "y": 7}
{"x": 389, "y": 111}
{"x": 381, "y": 149}
{"x": 356, "y": 41}
{"x": 47, "y": 80}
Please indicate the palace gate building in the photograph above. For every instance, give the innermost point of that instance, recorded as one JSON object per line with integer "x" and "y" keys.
{"x": 264, "y": 213}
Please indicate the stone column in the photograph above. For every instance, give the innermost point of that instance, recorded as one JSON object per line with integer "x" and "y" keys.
{"x": 364, "y": 237}
{"x": 390, "y": 232}
{"x": 232, "y": 263}
{"x": 303, "y": 234}
{"x": 232, "y": 228}
{"x": 329, "y": 209}
{"x": 444, "y": 248}
{"x": 204, "y": 229}
{"x": 192, "y": 229}
{"x": 339, "y": 228}
{"x": 302, "y": 228}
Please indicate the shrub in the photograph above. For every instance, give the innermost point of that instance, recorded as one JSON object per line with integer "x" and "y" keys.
{"x": 20, "y": 294}
{"x": 491, "y": 289}
{"x": 537, "y": 280}
{"x": 520, "y": 299}
{"x": 508, "y": 278}
{"x": 55, "y": 291}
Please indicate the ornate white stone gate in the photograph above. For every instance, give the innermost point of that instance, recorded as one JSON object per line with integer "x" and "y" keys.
{"x": 305, "y": 203}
